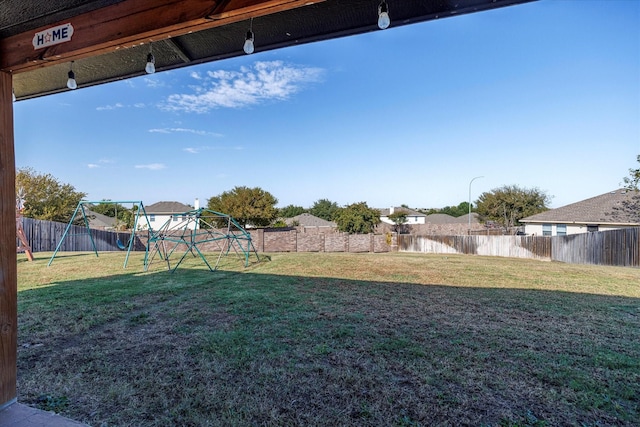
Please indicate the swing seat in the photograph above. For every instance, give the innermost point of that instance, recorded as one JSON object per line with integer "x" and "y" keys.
{"x": 121, "y": 245}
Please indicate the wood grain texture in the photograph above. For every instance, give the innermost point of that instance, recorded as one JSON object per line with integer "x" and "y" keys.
{"x": 8, "y": 266}
{"x": 130, "y": 23}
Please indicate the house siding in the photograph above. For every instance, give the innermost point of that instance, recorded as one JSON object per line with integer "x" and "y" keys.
{"x": 535, "y": 229}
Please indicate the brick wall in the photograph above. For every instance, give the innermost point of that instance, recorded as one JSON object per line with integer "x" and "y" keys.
{"x": 292, "y": 240}
{"x": 360, "y": 243}
{"x": 335, "y": 243}
{"x": 280, "y": 241}
{"x": 310, "y": 242}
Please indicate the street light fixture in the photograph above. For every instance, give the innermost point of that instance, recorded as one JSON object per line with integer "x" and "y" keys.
{"x": 469, "y": 229}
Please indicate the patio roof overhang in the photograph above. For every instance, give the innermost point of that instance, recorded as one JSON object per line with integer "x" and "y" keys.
{"x": 110, "y": 39}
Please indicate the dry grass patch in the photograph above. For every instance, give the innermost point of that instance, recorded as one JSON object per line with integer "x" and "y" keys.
{"x": 332, "y": 339}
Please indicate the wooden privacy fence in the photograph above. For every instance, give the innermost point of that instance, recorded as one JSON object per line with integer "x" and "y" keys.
{"x": 504, "y": 246}
{"x": 44, "y": 236}
{"x": 614, "y": 247}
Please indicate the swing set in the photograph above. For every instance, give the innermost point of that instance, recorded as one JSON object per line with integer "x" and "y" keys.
{"x": 81, "y": 209}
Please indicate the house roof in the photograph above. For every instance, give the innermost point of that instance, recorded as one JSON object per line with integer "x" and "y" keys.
{"x": 607, "y": 208}
{"x": 97, "y": 220}
{"x": 308, "y": 220}
{"x": 441, "y": 219}
{"x": 464, "y": 219}
{"x": 409, "y": 212}
{"x": 109, "y": 40}
{"x": 167, "y": 208}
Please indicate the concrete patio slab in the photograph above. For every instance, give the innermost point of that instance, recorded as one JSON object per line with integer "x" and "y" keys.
{"x": 19, "y": 415}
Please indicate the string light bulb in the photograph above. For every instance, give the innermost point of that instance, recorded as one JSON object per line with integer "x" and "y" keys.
{"x": 249, "y": 47}
{"x": 13, "y": 95}
{"x": 383, "y": 16}
{"x": 151, "y": 64}
{"x": 71, "y": 82}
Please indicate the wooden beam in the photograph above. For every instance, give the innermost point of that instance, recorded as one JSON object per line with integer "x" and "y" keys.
{"x": 130, "y": 23}
{"x": 173, "y": 44}
{"x": 8, "y": 263}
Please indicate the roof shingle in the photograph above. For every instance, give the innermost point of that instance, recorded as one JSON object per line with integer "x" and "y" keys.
{"x": 608, "y": 208}
{"x": 167, "y": 208}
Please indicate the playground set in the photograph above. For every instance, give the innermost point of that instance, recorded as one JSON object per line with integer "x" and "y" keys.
{"x": 199, "y": 231}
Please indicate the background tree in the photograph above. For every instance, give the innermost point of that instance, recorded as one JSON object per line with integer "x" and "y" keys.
{"x": 290, "y": 211}
{"x": 357, "y": 218}
{"x": 398, "y": 217}
{"x": 629, "y": 209}
{"x": 246, "y": 205}
{"x": 633, "y": 180}
{"x": 45, "y": 197}
{"x": 324, "y": 209}
{"x": 507, "y": 205}
{"x": 456, "y": 211}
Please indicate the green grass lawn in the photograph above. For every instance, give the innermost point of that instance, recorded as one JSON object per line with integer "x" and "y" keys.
{"x": 330, "y": 339}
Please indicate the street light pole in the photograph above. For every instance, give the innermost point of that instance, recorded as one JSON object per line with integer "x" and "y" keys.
{"x": 469, "y": 229}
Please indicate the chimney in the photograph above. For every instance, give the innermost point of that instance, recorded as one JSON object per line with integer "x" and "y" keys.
{"x": 196, "y": 204}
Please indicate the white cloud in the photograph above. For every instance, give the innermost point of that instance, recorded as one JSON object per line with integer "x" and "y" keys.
{"x": 152, "y": 166}
{"x": 100, "y": 163}
{"x": 153, "y": 83}
{"x": 196, "y": 150}
{"x": 248, "y": 86}
{"x": 110, "y": 107}
{"x": 195, "y": 75}
{"x": 139, "y": 105}
{"x": 185, "y": 130}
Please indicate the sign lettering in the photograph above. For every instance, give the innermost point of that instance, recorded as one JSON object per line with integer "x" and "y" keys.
{"x": 53, "y": 36}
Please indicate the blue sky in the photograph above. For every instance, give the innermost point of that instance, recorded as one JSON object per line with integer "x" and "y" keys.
{"x": 545, "y": 95}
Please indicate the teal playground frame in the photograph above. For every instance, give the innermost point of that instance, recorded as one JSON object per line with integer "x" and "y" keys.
{"x": 199, "y": 227}
{"x": 81, "y": 208}
{"x": 227, "y": 234}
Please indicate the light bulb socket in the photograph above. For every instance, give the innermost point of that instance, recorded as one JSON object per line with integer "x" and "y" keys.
{"x": 249, "y": 35}
{"x": 151, "y": 59}
{"x": 383, "y": 8}
{"x": 71, "y": 75}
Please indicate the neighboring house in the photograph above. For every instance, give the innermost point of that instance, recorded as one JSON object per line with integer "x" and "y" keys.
{"x": 608, "y": 211}
{"x": 464, "y": 219}
{"x": 173, "y": 212}
{"x": 440, "y": 218}
{"x": 308, "y": 220}
{"x": 413, "y": 217}
{"x": 99, "y": 221}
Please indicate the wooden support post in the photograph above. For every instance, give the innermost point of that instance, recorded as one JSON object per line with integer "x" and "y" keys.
{"x": 8, "y": 262}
